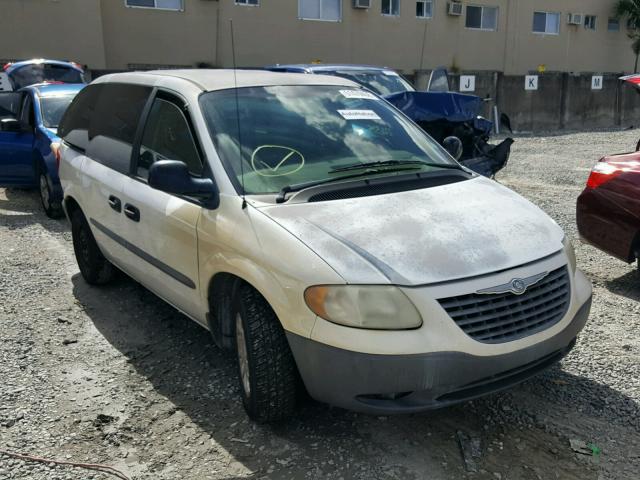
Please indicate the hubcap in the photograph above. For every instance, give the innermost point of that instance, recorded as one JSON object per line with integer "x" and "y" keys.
{"x": 243, "y": 357}
{"x": 44, "y": 191}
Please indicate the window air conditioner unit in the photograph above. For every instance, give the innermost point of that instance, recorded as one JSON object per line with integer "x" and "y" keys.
{"x": 454, "y": 8}
{"x": 361, "y": 3}
{"x": 575, "y": 19}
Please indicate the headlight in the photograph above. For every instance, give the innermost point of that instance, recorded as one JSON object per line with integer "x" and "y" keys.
{"x": 571, "y": 253}
{"x": 374, "y": 307}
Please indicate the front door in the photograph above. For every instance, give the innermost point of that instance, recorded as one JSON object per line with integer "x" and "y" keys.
{"x": 161, "y": 226}
{"x": 16, "y": 148}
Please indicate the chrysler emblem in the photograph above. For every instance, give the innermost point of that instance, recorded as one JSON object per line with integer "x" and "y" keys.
{"x": 517, "y": 286}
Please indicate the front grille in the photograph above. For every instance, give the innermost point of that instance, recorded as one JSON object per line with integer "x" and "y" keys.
{"x": 504, "y": 317}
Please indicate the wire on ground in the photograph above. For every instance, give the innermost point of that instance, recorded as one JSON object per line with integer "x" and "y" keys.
{"x": 88, "y": 466}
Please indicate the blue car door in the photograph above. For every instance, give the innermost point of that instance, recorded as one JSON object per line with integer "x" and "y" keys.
{"x": 16, "y": 148}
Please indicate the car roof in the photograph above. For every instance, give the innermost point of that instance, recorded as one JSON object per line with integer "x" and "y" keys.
{"x": 55, "y": 89}
{"x": 221, "y": 79}
{"x": 36, "y": 61}
{"x": 315, "y": 67}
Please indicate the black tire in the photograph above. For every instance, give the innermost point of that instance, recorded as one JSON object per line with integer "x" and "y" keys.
{"x": 95, "y": 269}
{"x": 272, "y": 380}
{"x": 51, "y": 208}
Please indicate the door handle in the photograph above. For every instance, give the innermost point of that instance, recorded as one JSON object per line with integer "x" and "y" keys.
{"x": 132, "y": 212}
{"x": 115, "y": 203}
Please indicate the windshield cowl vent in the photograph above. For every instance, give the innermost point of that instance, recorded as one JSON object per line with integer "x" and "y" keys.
{"x": 369, "y": 188}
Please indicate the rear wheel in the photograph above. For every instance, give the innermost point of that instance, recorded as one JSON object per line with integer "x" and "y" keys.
{"x": 266, "y": 368}
{"x": 52, "y": 208}
{"x": 95, "y": 269}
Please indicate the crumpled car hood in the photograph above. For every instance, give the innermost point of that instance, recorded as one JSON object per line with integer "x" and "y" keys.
{"x": 425, "y": 236}
{"x": 433, "y": 106}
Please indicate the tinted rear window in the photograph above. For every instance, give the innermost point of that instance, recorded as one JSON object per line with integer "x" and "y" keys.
{"x": 102, "y": 121}
{"x": 114, "y": 123}
{"x": 74, "y": 126}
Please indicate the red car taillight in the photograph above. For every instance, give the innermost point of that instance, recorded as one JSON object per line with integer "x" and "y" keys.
{"x": 55, "y": 148}
{"x": 602, "y": 173}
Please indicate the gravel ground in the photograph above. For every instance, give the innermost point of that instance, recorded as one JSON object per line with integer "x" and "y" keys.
{"x": 114, "y": 375}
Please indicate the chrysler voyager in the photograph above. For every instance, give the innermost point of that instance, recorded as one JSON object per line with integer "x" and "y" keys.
{"x": 320, "y": 234}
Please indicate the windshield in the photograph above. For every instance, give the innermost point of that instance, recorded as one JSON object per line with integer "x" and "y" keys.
{"x": 52, "y": 109}
{"x": 298, "y": 134}
{"x": 382, "y": 82}
{"x": 43, "y": 72}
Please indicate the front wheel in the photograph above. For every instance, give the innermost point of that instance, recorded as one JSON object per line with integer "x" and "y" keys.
{"x": 95, "y": 269}
{"x": 267, "y": 370}
{"x": 52, "y": 208}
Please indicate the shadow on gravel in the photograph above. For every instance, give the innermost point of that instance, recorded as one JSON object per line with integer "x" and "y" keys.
{"x": 25, "y": 209}
{"x": 628, "y": 285}
{"x": 182, "y": 364}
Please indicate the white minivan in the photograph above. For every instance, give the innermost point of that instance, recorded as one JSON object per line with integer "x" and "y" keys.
{"x": 320, "y": 234}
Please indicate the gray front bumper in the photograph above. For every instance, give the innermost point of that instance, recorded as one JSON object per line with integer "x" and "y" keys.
{"x": 386, "y": 384}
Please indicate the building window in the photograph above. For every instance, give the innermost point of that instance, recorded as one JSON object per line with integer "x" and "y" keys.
{"x": 391, "y": 7}
{"x": 160, "y": 4}
{"x": 328, "y": 10}
{"x": 251, "y": 3}
{"x": 590, "y": 22}
{"x": 482, "y": 18}
{"x": 424, "y": 8}
{"x": 545, "y": 22}
{"x": 631, "y": 25}
{"x": 613, "y": 25}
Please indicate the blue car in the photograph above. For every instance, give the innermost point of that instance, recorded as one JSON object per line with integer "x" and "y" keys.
{"x": 30, "y": 72}
{"x": 29, "y": 120}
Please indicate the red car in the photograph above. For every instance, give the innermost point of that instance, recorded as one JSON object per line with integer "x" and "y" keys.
{"x": 608, "y": 210}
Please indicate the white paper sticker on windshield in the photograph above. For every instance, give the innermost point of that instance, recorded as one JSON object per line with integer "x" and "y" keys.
{"x": 358, "y": 94}
{"x": 359, "y": 114}
{"x": 390, "y": 73}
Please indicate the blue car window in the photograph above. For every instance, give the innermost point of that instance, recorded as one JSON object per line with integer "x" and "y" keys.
{"x": 9, "y": 104}
{"x": 52, "y": 109}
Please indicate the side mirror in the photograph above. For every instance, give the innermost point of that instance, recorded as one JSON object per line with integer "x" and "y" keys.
{"x": 10, "y": 125}
{"x": 173, "y": 176}
{"x": 453, "y": 145}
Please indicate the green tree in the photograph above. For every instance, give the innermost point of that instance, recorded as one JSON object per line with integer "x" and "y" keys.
{"x": 630, "y": 9}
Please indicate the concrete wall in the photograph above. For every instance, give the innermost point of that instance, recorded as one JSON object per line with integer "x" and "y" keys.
{"x": 563, "y": 101}
{"x": 66, "y": 29}
{"x": 531, "y": 110}
{"x": 141, "y": 37}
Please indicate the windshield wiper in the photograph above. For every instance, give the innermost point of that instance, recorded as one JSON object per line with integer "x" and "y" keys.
{"x": 392, "y": 163}
{"x": 281, "y": 198}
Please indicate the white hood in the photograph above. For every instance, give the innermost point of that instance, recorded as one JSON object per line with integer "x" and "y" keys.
{"x": 423, "y": 236}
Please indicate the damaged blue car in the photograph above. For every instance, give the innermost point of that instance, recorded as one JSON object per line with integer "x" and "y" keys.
{"x": 452, "y": 119}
